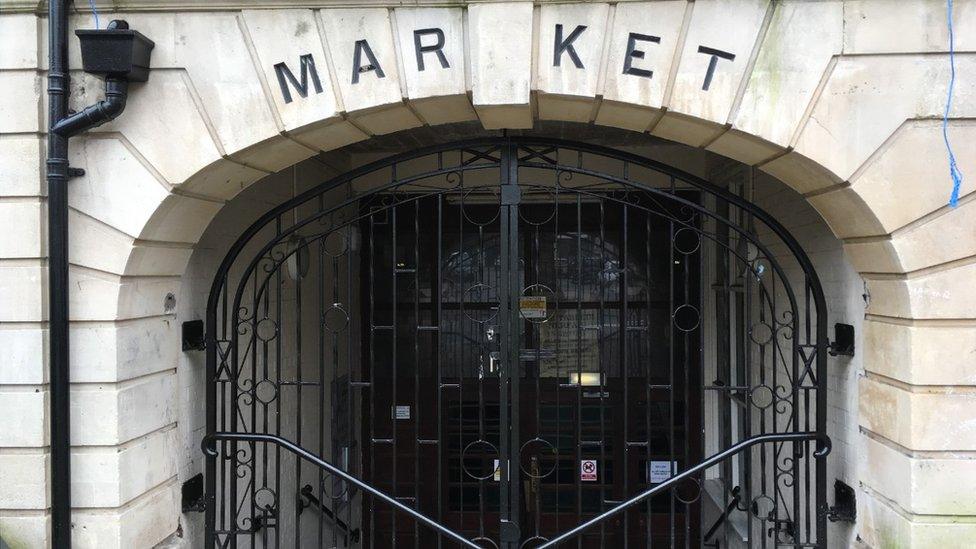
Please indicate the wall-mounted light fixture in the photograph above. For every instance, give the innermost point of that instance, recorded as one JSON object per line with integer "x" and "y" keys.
{"x": 585, "y": 379}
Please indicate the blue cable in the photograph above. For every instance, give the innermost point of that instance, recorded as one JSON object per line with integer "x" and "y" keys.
{"x": 95, "y": 12}
{"x": 954, "y": 171}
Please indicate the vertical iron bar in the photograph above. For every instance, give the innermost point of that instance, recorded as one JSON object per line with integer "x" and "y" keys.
{"x": 416, "y": 368}
{"x": 393, "y": 362}
{"x": 623, "y": 323}
{"x": 671, "y": 334}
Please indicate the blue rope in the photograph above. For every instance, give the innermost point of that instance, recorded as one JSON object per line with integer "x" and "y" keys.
{"x": 954, "y": 171}
{"x": 95, "y": 12}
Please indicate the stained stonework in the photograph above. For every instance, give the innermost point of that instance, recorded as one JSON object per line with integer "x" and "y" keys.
{"x": 837, "y": 99}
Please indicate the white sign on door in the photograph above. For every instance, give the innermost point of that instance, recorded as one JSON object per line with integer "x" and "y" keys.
{"x": 401, "y": 412}
{"x": 660, "y": 471}
{"x": 588, "y": 470}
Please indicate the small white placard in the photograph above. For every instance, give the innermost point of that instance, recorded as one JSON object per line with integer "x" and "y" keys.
{"x": 497, "y": 475}
{"x": 588, "y": 470}
{"x": 401, "y": 412}
{"x": 660, "y": 471}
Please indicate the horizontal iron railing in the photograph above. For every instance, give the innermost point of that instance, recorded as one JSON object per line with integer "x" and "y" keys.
{"x": 209, "y": 448}
{"x": 715, "y": 459}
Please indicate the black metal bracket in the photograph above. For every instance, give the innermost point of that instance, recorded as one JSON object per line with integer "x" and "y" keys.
{"x": 194, "y": 336}
{"x": 191, "y": 495}
{"x": 843, "y": 343}
{"x": 844, "y": 508}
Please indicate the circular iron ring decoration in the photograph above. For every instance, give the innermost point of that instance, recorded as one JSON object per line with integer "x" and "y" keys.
{"x": 334, "y": 493}
{"x": 537, "y": 291}
{"x": 480, "y": 539}
{"x": 686, "y": 240}
{"x": 265, "y": 391}
{"x": 761, "y": 396}
{"x": 266, "y": 498}
{"x": 528, "y": 201}
{"x": 542, "y": 454}
{"x": 687, "y": 491}
{"x": 538, "y": 539}
{"x": 336, "y": 318}
{"x": 491, "y": 298}
{"x": 761, "y": 333}
{"x": 266, "y": 329}
{"x": 467, "y": 204}
{"x": 763, "y": 506}
{"x": 465, "y": 457}
{"x": 335, "y": 244}
{"x": 686, "y": 318}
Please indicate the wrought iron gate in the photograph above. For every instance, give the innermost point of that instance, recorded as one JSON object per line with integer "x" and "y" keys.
{"x": 489, "y": 343}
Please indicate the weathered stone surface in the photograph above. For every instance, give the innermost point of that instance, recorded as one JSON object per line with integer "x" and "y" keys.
{"x": 284, "y": 37}
{"x": 21, "y": 157}
{"x": 629, "y": 97}
{"x": 362, "y": 86}
{"x": 166, "y": 104}
{"x": 26, "y": 223}
{"x": 870, "y": 93}
{"x": 574, "y": 85}
{"x": 116, "y": 188}
{"x": 941, "y": 294}
{"x": 881, "y": 525}
{"x": 143, "y": 523}
{"x": 801, "y": 39}
{"x": 24, "y": 423}
{"x": 23, "y": 362}
{"x": 21, "y": 288}
{"x": 501, "y": 63}
{"x": 726, "y": 25}
{"x": 21, "y": 38}
{"x": 109, "y": 414}
{"x": 930, "y": 486}
{"x": 906, "y": 26}
{"x": 180, "y": 218}
{"x": 25, "y": 529}
{"x": 118, "y": 351}
{"x": 921, "y": 355}
{"x": 23, "y": 481}
{"x": 918, "y": 419}
{"x": 113, "y": 476}
{"x": 904, "y": 181}
{"x": 21, "y": 109}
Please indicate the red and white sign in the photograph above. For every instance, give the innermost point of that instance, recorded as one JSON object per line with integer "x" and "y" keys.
{"x": 588, "y": 470}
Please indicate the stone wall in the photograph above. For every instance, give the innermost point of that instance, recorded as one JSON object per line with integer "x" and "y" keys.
{"x": 838, "y": 99}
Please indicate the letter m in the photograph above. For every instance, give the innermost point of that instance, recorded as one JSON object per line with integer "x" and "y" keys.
{"x": 301, "y": 86}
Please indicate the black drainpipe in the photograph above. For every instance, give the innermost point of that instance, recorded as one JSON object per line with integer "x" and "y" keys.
{"x": 57, "y": 268}
{"x": 62, "y": 127}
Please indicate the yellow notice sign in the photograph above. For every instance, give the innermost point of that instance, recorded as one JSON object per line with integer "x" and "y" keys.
{"x": 533, "y": 306}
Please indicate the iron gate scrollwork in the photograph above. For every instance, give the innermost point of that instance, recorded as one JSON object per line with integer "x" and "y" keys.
{"x": 491, "y": 342}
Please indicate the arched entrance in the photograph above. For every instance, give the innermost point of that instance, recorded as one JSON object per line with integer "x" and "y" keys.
{"x": 512, "y": 336}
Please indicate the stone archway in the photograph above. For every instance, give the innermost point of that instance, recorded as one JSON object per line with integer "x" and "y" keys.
{"x": 819, "y": 95}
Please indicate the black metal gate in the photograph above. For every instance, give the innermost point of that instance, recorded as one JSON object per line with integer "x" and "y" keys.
{"x": 491, "y": 343}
